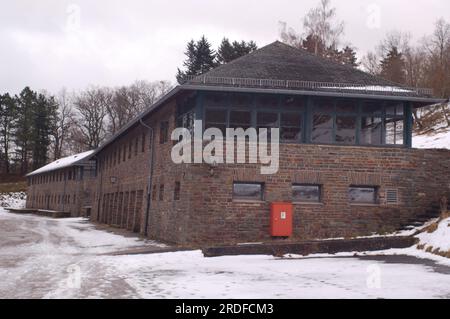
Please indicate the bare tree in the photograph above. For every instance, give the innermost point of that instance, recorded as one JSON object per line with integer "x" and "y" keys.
{"x": 320, "y": 23}
{"x": 438, "y": 66}
{"x": 61, "y": 124}
{"x": 371, "y": 63}
{"x": 322, "y": 31}
{"x": 91, "y": 106}
{"x": 129, "y": 101}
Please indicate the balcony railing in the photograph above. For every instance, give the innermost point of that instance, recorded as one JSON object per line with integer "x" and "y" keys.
{"x": 309, "y": 86}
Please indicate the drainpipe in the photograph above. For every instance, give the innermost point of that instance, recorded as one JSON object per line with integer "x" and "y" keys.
{"x": 150, "y": 177}
{"x": 64, "y": 191}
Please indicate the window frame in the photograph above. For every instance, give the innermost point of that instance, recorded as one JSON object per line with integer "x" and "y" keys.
{"x": 298, "y": 201}
{"x": 376, "y": 199}
{"x": 163, "y": 132}
{"x": 247, "y": 198}
{"x": 358, "y": 108}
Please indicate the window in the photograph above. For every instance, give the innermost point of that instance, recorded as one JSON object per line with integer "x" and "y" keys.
{"x": 161, "y": 192}
{"x": 143, "y": 143}
{"x": 248, "y": 191}
{"x": 136, "y": 146}
{"x": 291, "y": 127}
{"x": 394, "y": 128}
{"x": 363, "y": 194}
{"x": 186, "y": 111}
{"x": 346, "y": 106}
{"x": 215, "y": 118}
{"x": 324, "y": 105}
{"x": 346, "y": 129}
{"x": 241, "y": 100}
{"x": 322, "y": 130}
{"x": 130, "y": 146}
{"x": 371, "y": 130}
{"x": 216, "y": 99}
{"x": 240, "y": 119}
{"x": 267, "y": 120}
{"x": 306, "y": 193}
{"x": 293, "y": 103}
{"x": 267, "y": 101}
{"x": 177, "y": 191}
{"x": 124, "y": 153}
{"x": 154, "y": 192}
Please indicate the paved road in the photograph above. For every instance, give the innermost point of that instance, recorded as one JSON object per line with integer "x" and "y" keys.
{"x": 40, "y": 258}
{"x": 45, "y": 258}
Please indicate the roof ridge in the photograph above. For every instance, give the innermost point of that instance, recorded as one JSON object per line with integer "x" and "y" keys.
{"x": 239, "y": 59}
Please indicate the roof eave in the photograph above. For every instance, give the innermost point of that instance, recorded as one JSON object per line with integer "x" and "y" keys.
{"x": 80, "y": 162}
{"x": 136, "y": 120}
{"x": 312, "y": 93}
{"x": 191, "y": 87}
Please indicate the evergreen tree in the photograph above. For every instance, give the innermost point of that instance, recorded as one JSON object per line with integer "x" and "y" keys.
{"x": 45, "y": 109}
{"x": 226, "y": 52}
{"x": 7, "y": 121}
{"x": 200, "y": 58}
{"x": 393, "y": 66}
{"x": 349, "y": 57}
{"x": 189, "y": 63}
{"x": 24, "y": 133}
{"x": 206, "y": 57}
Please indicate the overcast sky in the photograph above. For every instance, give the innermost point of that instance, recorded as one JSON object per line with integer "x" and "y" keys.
{"x": 50, "y": 44}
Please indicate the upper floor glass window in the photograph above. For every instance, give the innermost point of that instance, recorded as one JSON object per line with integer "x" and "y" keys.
{"x": 341, "y": 121}
{"x": 345, "y": 129}
{"x": 322, "y": 129}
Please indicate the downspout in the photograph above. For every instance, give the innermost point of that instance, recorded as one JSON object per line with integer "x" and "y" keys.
{"x": 100, "y": 191}
{"x": 64, "y": 192}
{"x": 150, "y": 177}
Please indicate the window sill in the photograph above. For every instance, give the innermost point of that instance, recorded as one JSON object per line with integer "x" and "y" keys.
{"x": 248, "y": 201}
{"x": 365, "y": 204}
{"x": 308, "y": 203}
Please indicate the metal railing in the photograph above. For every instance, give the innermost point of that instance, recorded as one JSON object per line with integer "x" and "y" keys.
{"x": 308, "y": 85}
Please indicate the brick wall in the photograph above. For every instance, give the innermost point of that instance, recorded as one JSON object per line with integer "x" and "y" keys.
{"x": 207, "y": 214}
{"x": 421, "y": 177}
{"x": 54, "y": 191}
{"x": 130, "y": 177}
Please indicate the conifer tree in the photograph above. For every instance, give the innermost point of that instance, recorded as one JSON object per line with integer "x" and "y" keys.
{"x": 200, "y": 58}
{"x": 393, "y": 66}
{"x": 7, "y": 122}
{"x": 24, "y": 133}
{"x": 228, "y": 52}
{"x": 225, "y": 53}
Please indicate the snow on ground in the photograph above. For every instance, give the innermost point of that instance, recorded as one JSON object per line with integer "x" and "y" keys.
{"x": 14, "y": 200}
{"x": 439, "y": 239}
{"x": 38, "y": 253}
{"x": 189, "y": 275}
{"x": 439, "y": 140}
{"x": 46, "y": 258}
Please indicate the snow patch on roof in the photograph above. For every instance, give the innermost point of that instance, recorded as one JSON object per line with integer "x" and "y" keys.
{"x": 375, "y": 88}
{"x": 62, "y": 163}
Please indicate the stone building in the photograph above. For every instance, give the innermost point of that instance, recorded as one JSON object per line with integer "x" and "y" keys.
{"x": 346, "y": 161}
{"x": 64, "y": 185}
